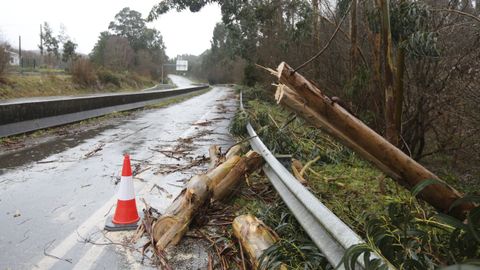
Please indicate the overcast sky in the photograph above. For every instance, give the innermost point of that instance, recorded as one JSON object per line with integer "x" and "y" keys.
{"x": 183, "y": 32}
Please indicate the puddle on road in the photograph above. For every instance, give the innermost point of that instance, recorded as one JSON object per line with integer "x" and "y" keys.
{"x": 53, "y": 145}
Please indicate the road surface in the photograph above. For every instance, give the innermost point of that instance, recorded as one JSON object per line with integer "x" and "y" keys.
{"x": 55, "y": 196}
{"x": 180, "y": 81}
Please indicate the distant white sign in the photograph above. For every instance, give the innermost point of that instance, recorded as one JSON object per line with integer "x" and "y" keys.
{"x": 182, "y": 65}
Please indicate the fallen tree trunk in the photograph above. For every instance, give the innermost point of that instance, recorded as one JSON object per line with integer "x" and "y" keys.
{"x": 215, "y": 155}
{"x": 246, "y": 165}
{"x": 254, "y": 236}
{"x": 173, "y": 224}
{"x": 304, "y": 98}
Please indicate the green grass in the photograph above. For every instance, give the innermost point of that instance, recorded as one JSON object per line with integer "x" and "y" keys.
{"x": 54, "y": 84}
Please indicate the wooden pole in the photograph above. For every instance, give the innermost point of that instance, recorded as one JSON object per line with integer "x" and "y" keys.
{"x": 309, "y": 102}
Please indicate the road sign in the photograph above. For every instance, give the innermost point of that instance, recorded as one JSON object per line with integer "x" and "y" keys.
{"x": 182, "y": 65}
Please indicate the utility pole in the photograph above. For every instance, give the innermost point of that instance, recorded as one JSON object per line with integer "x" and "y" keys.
{"x": 41, "y": 40}
{"x": 20, "y": 47}
{"x": 20, "y": 53}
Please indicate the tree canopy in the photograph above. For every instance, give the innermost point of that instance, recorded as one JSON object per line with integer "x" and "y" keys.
{"x": 130, "y": 44}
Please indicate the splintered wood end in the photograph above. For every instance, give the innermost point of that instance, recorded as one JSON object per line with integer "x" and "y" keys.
{"x": 271, "y": 71}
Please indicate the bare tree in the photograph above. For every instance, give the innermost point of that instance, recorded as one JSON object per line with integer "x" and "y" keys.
{"x": 119, "y": 55}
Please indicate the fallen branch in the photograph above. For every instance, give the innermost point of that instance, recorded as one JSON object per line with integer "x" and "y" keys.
{"x": 97, "y": 148}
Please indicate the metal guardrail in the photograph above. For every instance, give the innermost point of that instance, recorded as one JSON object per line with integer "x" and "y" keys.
{"x": 330, "y": 234}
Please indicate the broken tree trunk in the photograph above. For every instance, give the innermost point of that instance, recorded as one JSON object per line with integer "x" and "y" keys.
{"x": 296, "y": 169}
{"x": 315, "y": 107}
{"x": 173, "y": 224}
{"x": 215, "y": 155}
{"x": 254, "y": 236}
{"x": 234, "y": 150}
{"x": 246, "y": 165}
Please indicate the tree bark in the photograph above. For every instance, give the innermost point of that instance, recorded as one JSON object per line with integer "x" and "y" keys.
{"x": 316, "y": 24}
{"x": 309, "y": 102}
{"x": 246, "y": 165}
{"x": 214, "y": 153}
{"x": 353, "y": 39}
{"x": 254, "y": 236}
{"x": 391, "y": 133}
{"x": 316, "y": 33}
{"x": 399, "y": 88}
{"x": 173, "y": 224}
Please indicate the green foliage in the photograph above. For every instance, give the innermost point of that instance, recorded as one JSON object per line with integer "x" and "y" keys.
{"x": 342, "y": 7}
{"x": 68, "y": 51}
{"x": 408, "y": 17}
{"x": 97, "y": 55}
{"x": 50, "y": 42}
{"x": 4, "y": 59}
{"x": 423, "y": 44}
{"x": 427, "y": 182}
{"x": 130, "y": 45}
{"x": 251, "y": 31}
{"x": 410, "y": 27}
{"x": 294, "y": 248}
{"x": 250, "y": 75}
{"x": 106, "y": 76}
{"x": 358, "y": 84}
{"x": 128, "y": 23}
{"x": 408, "y": 237}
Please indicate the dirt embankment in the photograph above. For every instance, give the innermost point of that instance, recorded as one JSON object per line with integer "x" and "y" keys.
{"x": 51, "y": 84}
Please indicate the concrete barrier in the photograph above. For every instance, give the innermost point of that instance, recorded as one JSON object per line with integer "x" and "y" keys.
{"x": 21, "y": 117}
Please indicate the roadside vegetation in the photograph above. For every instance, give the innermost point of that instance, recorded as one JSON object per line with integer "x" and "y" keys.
{"x": 408, "y": 69}
{"x": 429, "y": 69}
{"x": 52, "y": 84}
{"x": 407, "y": 232}
{"x": 128, "y": 56}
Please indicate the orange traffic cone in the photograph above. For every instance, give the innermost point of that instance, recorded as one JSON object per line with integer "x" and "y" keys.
{"x": 126, "y": 215}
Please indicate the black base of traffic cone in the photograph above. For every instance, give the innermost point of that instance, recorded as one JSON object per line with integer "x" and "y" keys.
{"x": 112, "y": 227}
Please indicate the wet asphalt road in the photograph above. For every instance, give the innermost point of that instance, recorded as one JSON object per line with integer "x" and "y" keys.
{"x": 53, "y": 206}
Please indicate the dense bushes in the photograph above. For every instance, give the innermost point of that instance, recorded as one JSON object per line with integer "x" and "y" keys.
{"x": 4, "y": 57}
{"x": 83, "y": 72}
{"x": 106, "y": 76}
